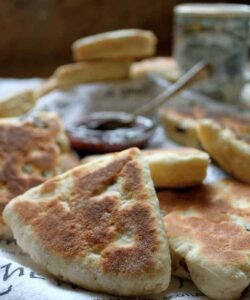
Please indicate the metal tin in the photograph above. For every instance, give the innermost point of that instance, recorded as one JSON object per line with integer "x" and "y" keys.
{"x": 217, "y": 33}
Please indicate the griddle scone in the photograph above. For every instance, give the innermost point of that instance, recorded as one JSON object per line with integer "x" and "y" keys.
{"x": 115, "y": 45}
{"x": 17, "y": 104}
{"x": 83, "y": 72}
{"x": 172, "y": 168}
{"x": 164, "y": 66}
{"x": 181, "y": 123}
{"x": 208, "y": 231}
{"x": 98, "y": 226}
{"x": 228, "y": 146}
{"x": 31, "y": 151}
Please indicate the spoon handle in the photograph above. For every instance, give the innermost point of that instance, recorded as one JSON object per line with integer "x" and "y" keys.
{"x": 199, "y": 71}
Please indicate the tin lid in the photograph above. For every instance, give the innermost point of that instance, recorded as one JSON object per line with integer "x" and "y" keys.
{"x": 213, "y": 9}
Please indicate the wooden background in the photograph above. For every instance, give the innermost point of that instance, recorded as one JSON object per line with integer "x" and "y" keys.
{"x": 36, "y": 35}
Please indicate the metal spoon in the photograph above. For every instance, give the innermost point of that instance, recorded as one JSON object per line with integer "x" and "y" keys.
{"x": 200, "y": 71}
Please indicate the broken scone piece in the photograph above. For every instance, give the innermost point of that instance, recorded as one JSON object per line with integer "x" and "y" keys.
{"x": 98, "y": 226}
{"x": 228, "y": 146}
{"x": 171, "y": 168}
{"x": 31, "y": 151}
{"x": 115, "y": 45}
{"x": 83, "y": 72}
{"x": 208, "y": 231}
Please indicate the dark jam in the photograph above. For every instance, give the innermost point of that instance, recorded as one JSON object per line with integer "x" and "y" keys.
{"x": 109, "y": 132}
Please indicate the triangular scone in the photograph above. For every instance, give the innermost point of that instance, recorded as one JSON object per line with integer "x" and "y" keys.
{"x": 229, "y": 146}
{"x": 208, "y": 232}
{"x": 98, "y": 226}
{"x": 32, "y": 149}
{"x": 171, "y": 168}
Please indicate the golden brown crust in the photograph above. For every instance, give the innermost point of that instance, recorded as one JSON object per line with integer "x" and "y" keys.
{"x": 204, "y": 215}
{"x": 186, "y": 119}
{"x": 137, "y": 257}
{"x": 93, "y": 219}
{"x": 28, "y": 154}
{"x": 200, "y": 112}
{"x": 230, "y": 149}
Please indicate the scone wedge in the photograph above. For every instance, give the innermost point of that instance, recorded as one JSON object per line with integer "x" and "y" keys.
{"x": 98, "y": 226}
{"x": 208, "y": 231}
{"x": 115, "y": 45}
{"x": 32, "y": 149}
{"x": 229, "y": 146}
{"x": 171, "y": 168}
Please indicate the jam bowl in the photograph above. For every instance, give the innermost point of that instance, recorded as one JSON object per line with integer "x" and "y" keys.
{"x": 83, "y": 137}
{"x": 84, "y": 107}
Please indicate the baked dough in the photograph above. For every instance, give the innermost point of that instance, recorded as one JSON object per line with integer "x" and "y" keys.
{"x": 17, "y": 104}
{"x": 98, "y": 226}
{"x": 83, "y": 72}
{"x": 228, "y": 146}
{"x": 164, "y": 66}
{"x": 115, "y": 45}
{"x": 171, "y": 168}
{"x": 208, "y": 231}
{"x": 31, "y": 151}
{"x": 180, "y": 123}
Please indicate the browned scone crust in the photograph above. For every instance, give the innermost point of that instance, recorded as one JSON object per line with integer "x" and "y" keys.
{"x": 209, "y": 234}
{"x": 68, "y": 161}
{"x": 104, "y": 213}
{"x": 61, "y": 230}
{"x": 229, "y": 145}
{"x": 29, "y": 153}
{"x": 180, "y": 123}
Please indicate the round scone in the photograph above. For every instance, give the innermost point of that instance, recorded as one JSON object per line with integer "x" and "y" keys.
{"x": 98, "y": 225}
{"x": 180, "y": 123}
{"x": 83, "y": 72}
{"x": 32, "y": 149}
{"x": 208, "y": 231}
{"x": 228, "y": 146}
{"x": 115, "y": 45}
{"x": 164, "y": 66}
